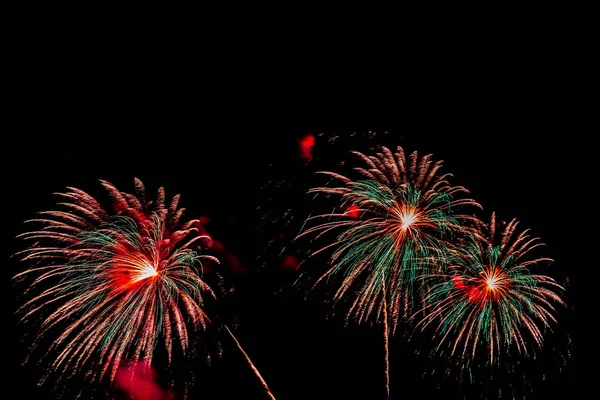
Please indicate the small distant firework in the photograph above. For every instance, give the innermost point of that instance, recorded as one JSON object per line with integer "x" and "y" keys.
{"x": 115, "y": 283}
{"x": 487, "y": 300}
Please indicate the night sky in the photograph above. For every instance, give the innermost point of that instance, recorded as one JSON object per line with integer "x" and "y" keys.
{"x": 236, "y": 160}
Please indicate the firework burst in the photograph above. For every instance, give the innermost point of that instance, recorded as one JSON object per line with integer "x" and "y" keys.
{"x": 116, "y": 283}
{"x": 395, "y": 220}
{"x": 395, "y": 223}
{"x": 488, "y": 300}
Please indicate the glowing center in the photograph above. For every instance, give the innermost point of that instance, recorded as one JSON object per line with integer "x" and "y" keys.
{"x": 145, "y": 270}
{"x": 491, "y": 283}
{"x": 408, "y": 218}
{"x": 495, "y": 280}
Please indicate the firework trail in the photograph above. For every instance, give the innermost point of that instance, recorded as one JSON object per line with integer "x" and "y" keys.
{"x": 118, "y": 284}
{"x": 487, "y": 300}
{"x": 395, "y": 222}
{"x": 254, "y": 369}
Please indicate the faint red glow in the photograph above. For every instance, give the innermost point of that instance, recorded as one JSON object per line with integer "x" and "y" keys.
{"x": 353, "y": 211}
{"x": 458, "y": 283}
{"x": 234, "y": 264}
{"x": 305, "y": 145}
{"x": 227, "y": 258}
{"x": 473, "y": 293}
{"x": 138, "y": 381}
{"x": 206, "y": 242}
{"x": 289, "y": 262}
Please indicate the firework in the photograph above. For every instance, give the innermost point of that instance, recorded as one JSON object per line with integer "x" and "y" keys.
{"x": 116, "y": 283}
{"x": 395, "y": 223}
{"x": 487, "y": 300}
{"x": 395, "y": 219}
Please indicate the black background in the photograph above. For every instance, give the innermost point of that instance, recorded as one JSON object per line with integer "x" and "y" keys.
{"x": 226, "y": 139}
